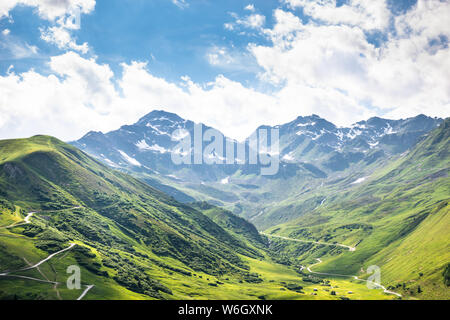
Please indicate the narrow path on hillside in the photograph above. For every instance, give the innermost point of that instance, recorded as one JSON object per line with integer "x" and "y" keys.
{"x": 89, "y": 287}
{"x": 36, "y": 266}
{"x": 346, "y": 275}
{"x": 26, "y": 220}
{"x": 351, "y": 249}
{"x": 40, "y": 262}
{"x": 29, "y": 278}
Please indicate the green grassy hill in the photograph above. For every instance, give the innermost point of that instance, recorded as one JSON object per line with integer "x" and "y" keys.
{"x": 124, "y": 228}
{"x": 130, "y": 240}
{"x": 237, "y": 226}
{"x": 398, "y": 219}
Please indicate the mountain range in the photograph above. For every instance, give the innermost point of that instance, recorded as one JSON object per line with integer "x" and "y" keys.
{"x": 142, "y": 227}
{"x": 147, "y": 144}
{"x": 311, "y": 150}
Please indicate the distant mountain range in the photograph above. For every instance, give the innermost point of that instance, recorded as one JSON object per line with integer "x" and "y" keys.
{"x": 147, "y": 144}
{"x": 310, "y": 148}
{"x": 140, "y": 226}
{"x": 316, "y": 140}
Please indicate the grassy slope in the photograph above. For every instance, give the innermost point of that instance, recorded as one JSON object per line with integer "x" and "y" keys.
{"x": 133, "y": 242}
{"x": 399, "y": 220}
{"x": 121, "y": 219}
{"x": 239, "y": 227}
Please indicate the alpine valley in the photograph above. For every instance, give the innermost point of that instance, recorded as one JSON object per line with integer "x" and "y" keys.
{"x": 352, "y": 213}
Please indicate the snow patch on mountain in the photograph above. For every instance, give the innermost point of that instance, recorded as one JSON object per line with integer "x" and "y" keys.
{"x": 129, "y": 159}
{"x": 143, "y": 146}
{"x": 288, "y": 157}
{"x": 156, "y": 129}
{"x": 353, "y": 133}
{"x": 360, "y": 180}
{"x": 110, "y": 163}
{"x": 225, "y": 180}
{"x": 180, "y": 134}
{"x": 389, "y": 130}
{"x": 340, "y": 135}
{"x": 373, "y": 144}
{"x": 306, "y": 124}
{"x": 163, "y": 119}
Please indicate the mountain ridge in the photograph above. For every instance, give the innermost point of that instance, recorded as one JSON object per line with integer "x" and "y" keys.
{"x": 395, "y": 218}
{"x": 103, "y": 208}
{"x": 129, "y": 240}
{"x": 151, "y": 134}
{"x": 321, "y": 151}
{"x": 384, "y": 208}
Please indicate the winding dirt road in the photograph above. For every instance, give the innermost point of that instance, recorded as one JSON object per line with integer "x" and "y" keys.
{"x": 351, "y": 249}
{"x": 26, "y": 220}
{"x": 9, "y": 273}
{"x": 89, "y": 287}
{"x": 310, "y": 241}
{"x": 40, "y": 262}
{"x": 354, "y": 277}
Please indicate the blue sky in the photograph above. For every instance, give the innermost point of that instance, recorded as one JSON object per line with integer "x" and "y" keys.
{"x": 232, "y": 64}
{"x": 174, "y": 39}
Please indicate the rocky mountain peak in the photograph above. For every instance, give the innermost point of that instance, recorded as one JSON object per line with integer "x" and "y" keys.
{"x": 160, "y": 117}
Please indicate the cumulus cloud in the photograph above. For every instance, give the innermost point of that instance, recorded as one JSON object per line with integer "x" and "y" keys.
{"x": 406, "y": 75}
{"x": 81, "y": 95}
{"x": 253, "y": 21}
{"x": 61, "y": 37}
{"x": 331, "y": 69}
{"x": 231, "y": 59}
{"x": 76, "y": 94}
{"x": 362, "y": 13}
{"x": 219, "y": 56}
{"x": 49, "y": 9}
{"x": 64, "y": 14}
{"x": 250, "y": 7}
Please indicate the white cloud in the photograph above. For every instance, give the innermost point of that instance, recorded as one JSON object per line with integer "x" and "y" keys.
{"x": 76, "y": 94}
{"x": 253, "y": 21}
{"x": 231, "y": 59}
{"x": 228, "y": 26}
{"x": 49, "y": 9}
{"x": 216, "y": 103}
{"x": 65, "y": 15}
{"x": 250, "y": 7}
{"x": 62, "y": 38}
{"x": 406, "y": 75}
{"x": 15, "y": 48}
{"x": 219, "y": 56}
{"x": 180, "y": 3}
{"x": 328, "y": 69}
{"x": 80, "y": 95}
{"x": 362, "y": 13}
